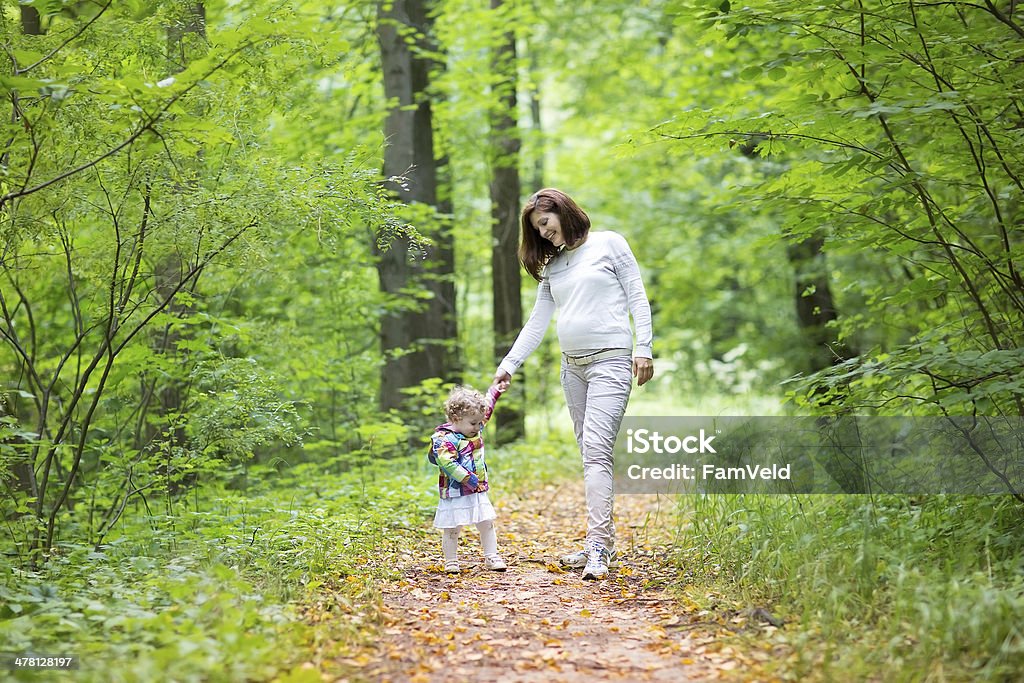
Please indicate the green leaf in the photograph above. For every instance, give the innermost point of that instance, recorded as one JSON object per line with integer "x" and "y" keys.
{"x": 751, "y": 73}
{"x": 24, "y": 83}
{"x": 26, "y": 57}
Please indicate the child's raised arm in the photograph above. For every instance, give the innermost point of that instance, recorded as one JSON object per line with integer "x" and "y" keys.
{"x": 494, "y": 392}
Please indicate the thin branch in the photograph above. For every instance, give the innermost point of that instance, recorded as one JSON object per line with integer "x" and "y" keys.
{"x": 912, "y": 58}
{"x": 113, "y": 516}
{"x": 60, "y": 47}
{"x": 10, "y": 333}
{"x": 76, "y": 306}
{"x": 1008, "y": 20}
{"x": 772, "y": 136}
{"x": 146, "y": 126}
{"x": 110, "y": 351}
{"x": 926, "y": 202}
{"x": 967, "y": 434}
{"x": 192, "y": 273}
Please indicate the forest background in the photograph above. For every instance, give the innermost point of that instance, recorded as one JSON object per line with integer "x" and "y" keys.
{"x": 248, "y": 245}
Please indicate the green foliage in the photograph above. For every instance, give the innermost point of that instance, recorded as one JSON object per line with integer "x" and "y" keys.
{"x": 189, "y": 308}
{"x": 884, "y": 131}
{"x": 718, "y": 283}
{"x": 238, "y": 410}
{"x": 231, "y": 587}
{"x": 728, "y": 135}
{"x": 938, "y": 378}
{"x": 215, "y": 592}
{"x": 158, "y": 618}
{"x": 185, "y": 286}
{"x": 925, "y": 585}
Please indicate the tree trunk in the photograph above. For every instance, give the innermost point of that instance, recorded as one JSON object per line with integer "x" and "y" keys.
{"x": 171, "y": 392}
{"x": 22, "y": 469}
{"x": 418, "y": 340}
{"x": 543, "y": 391}
{"x": 505, "y": 191}
{"x": 31, "y": 23}
{"x": 191, "y": 23}
{"x": 444, "y": 248}
{"x": 815, "y": 307}
{"x": 536, "y": 124}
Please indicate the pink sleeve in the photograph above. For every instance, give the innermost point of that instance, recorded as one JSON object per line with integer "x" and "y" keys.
{"x": 492, "y": 398}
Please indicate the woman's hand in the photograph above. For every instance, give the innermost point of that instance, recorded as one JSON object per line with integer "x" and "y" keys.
{"x": 643, "y": 370}
{"x": 502, "y": 379}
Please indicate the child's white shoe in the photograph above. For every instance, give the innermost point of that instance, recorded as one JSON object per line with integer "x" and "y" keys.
{"x": 452, "y": 567}
{"x": 495, "y": 563}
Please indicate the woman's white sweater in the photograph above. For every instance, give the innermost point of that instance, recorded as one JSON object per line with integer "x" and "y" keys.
{"x": 595, "y": 288}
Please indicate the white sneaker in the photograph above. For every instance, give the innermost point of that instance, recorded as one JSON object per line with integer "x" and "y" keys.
{"x": 452, "y": 567}
{"x": 575, "y": 560}
{"x": 578, "y": 559}
{"x": 495, "y": 563}
{"x": 597, "y": 562}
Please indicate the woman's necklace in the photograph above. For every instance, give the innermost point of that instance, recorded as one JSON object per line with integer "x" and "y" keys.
{"x": 571, "y": 251}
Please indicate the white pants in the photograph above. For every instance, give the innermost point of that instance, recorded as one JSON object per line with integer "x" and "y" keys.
{"x": 488, "y": 540}
{"x": 597, "y": 395}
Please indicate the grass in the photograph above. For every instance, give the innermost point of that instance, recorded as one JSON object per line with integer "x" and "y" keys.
{"x": 884, "y": 588}
{"x": 277, "y": 581}
{"x": 893, "y": 588}
{"x": 221, "y": 591}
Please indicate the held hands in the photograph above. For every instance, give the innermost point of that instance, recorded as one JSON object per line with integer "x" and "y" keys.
{"x": 643, "y": 370}
{"x": 502, "y": 380}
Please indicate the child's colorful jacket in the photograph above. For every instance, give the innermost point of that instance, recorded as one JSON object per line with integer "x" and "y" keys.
{"x": 458, "y": 456}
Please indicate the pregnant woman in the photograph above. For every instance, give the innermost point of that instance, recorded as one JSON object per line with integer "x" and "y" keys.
{"x": 592, "y": 279}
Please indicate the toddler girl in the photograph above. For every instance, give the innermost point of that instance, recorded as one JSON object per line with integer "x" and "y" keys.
{"x": 457, "y": 448}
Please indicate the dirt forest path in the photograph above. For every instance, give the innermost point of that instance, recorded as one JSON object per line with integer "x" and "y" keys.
{"x": 536, "y": 623}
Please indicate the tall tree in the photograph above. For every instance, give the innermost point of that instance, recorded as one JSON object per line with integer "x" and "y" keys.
{"x": 418, "y": 333}
{"x": 505, "y": 191}
{"x": 815, "y": 306}
{"x": 92, "y": 206}
{"x": 21, "y": 468}
{"x": 184, "y": 34}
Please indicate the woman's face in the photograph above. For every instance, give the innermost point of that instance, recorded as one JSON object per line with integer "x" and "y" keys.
{"x": 550, "y": 228}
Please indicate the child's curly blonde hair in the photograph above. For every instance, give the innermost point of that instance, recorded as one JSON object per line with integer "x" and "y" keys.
{"x": 462, "y": 401}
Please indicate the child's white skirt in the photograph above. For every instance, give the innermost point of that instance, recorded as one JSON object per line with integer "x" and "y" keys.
{"x": 463, "y": 511}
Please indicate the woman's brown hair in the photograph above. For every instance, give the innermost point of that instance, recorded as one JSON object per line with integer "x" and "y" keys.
{"x": 534, "y": 250}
